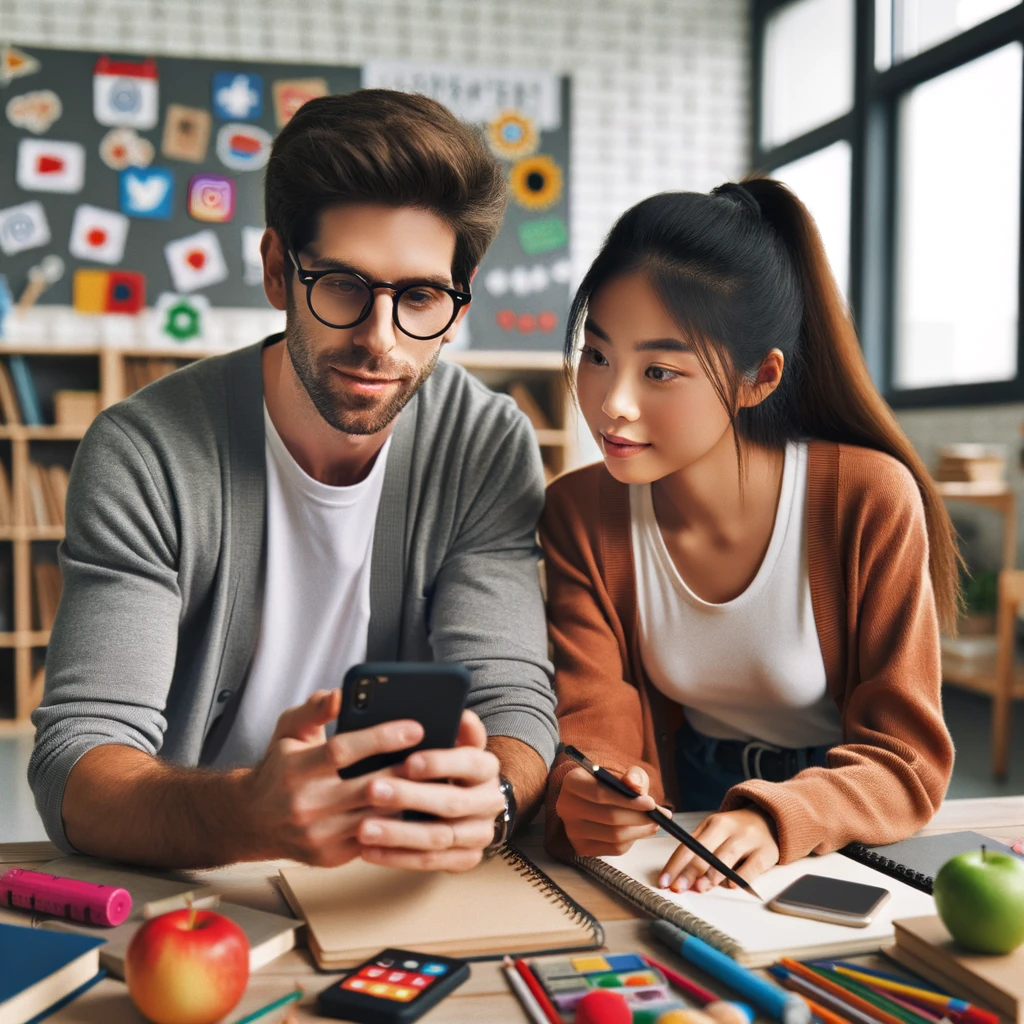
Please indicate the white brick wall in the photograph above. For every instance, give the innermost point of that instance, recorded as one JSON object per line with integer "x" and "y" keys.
{"x": 661, "y": 87}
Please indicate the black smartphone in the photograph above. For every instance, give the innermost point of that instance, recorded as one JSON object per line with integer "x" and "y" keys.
{"x": 432, "y": 693}
{"x": 830, "y": 899}
{"x": 393, "y": 987}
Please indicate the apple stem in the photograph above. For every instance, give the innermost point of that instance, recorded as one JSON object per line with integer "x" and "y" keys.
{"x": 982, "y": 851}
{"x": 191, "y": 912}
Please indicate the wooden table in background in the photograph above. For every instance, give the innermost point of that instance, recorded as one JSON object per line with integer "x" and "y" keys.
{"x": 485, "y": 998}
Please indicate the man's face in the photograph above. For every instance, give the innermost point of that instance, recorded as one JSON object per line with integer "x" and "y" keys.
{"x": 360, "y": 378}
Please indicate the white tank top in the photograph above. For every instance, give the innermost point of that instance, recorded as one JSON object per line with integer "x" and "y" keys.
{"x": 750, "y": 668}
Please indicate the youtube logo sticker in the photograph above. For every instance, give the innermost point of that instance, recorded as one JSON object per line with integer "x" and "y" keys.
{"x": 98, "y": 235}
{"x": 47, "y": 166}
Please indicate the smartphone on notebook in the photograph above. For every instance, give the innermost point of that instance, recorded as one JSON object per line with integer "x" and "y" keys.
{"x": 394, "y": 987}
{"x": 432, "y": 693}
{"x": 833, "y": 900}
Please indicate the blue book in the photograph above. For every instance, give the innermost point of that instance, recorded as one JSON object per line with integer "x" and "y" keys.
{"x": 39, "y": 968}
{"x": 28, "y": 397}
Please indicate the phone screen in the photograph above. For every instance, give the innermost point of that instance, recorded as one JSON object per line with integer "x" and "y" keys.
{"x": 398, "y": 980}
{"x": 818, "y": 892}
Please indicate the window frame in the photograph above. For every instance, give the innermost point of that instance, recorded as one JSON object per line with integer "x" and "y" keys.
{"x": 870, "y": 128}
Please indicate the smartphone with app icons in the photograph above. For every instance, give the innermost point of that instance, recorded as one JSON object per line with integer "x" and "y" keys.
{"x": 393, "y": 987}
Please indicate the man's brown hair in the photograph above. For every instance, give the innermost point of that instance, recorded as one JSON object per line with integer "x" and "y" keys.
{"x": 394, "y": 148}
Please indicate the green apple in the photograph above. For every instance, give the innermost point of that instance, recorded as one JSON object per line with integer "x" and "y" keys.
{"x": 980, "y": 898}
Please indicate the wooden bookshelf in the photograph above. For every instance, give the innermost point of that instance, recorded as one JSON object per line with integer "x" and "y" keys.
{"x": 112, "y": 371}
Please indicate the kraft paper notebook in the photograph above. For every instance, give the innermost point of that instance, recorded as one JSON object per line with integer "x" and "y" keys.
{"x": 504, "y": 905}
{"x": 738, "y": 924}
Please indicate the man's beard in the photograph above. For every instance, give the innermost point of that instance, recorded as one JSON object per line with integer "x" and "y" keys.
{"x": 351, "y": 414}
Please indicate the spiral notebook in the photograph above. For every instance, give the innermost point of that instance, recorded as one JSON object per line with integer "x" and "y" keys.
{"x": 504, "y": 905}
{"x": 742, "y": 927}
{"x": 917, "y": 861}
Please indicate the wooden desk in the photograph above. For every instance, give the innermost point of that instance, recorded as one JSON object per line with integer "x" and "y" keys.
{"x": 485, "y": 998}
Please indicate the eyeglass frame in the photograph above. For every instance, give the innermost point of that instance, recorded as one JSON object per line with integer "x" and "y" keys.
{"x": 310, "y": 277}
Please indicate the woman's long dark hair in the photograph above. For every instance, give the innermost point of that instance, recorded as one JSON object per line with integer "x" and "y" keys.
{"x": 743, "y": 271}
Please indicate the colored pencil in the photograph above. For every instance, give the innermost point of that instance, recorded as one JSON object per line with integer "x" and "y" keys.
{"x": 292, "y": 997}
{"x": 915, "y": 979}
{"x": 816, "y": 994}
{"x": 522, "y": 992}
{"x": 687, "y": 987}
{"x": 553, "y": 1016}
{"x": 825, "y": 1016}
{"x": 966, "y": 1012}
{"x": 878, "y": 999}
{"x": 840, "y": 992}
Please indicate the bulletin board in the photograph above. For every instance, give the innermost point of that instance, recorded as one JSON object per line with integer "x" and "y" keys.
{"x": 130, "y": 132}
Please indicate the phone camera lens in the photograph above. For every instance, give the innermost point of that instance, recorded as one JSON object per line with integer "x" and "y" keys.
{"x": 361, "y": 700}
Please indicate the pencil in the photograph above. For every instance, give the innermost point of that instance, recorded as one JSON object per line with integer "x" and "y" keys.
{"x": 840, "y": 993}
{"x": 553, "y": 1016}
{"x": 826, "y": 1016}
{"x": 523, "y": 994}
{"x": 816, "y": 994}
{"x": 292, "y": 997}
{"x": 877, "y": 999}
{"x": 690, "y": 988}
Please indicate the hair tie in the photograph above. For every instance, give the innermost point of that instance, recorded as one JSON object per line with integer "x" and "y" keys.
{"x": 732, "y": 188}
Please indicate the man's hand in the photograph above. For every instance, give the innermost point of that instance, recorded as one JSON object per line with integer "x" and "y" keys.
{"x": 300, "y": 807}
{"x": 599, "y": 822}
{"x": 458, "y": 786}
{"x": 742, "y": 839}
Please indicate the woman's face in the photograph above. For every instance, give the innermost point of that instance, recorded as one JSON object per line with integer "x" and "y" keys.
{"x": 649, "y": 404}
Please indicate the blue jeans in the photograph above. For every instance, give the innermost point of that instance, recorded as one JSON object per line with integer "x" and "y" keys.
{"x": 707, "y": 768}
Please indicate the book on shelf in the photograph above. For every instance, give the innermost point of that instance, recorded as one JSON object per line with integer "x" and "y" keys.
{"x": 47, "y": 492}
{"x": 138, "y": 372}
{"x": 523, "y": 397}
{"x": 25, "y": 387}
{"x": 48, "y": 586}
{"x": 6, "y": 503}
{"x": 10, "y": 411}
{"x": 38, "y": 510}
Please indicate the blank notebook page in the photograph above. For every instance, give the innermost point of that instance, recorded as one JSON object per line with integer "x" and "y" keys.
{"x": 736, "y": 923}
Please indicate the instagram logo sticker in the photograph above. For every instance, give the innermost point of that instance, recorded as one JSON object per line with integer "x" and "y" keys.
{"x": 211, "y": 198}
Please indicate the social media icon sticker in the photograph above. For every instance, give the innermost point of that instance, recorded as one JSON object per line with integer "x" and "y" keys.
{"x": 196, "y": 261}
{"x": 125, "y": 147}
{"x": 211, "y": 198}
{"x": 237, "y": 96}
{"x": 98, "y": 235}
{"x": 186, "y": 133}
{"x": 147, "y": 192}
{"x": 46, "y": 166}
{"x": 243, "y": 147}
{"x": 23, "y": 227}
{"x": 125, "y": 93}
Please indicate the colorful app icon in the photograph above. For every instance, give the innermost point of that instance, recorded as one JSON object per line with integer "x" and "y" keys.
{"x": 23, "y": 227}
{"x": 186, "y": 133}
{"x": 47, "y": 166}
{"x": 125, "y": 93}
{"x": 211, "y": 198}
{"x": 98, "y": 235}
{"x": 108, "y": 291}
{"x": 147, "y": 192}
{"x": 243, "y": 147}
{"x": 237, "y": 96}
{"x": 196, "y": 261}
{"x": 436, "y": 969}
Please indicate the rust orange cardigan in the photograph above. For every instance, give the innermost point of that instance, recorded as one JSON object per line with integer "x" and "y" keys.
{"x": 875, "y": 614}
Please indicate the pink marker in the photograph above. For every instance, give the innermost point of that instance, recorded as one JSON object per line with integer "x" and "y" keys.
{"x": 49, "y": 894}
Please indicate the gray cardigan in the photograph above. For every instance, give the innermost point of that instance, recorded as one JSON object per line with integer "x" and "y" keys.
{"x": 164, "y": 564}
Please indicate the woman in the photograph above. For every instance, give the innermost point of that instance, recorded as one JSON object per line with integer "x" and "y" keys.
{"x": 745, "y": 596}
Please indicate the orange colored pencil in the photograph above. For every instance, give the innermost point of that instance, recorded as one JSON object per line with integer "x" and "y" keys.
{"x": 826, "y": 1016}
{"x": 839, "y": 992}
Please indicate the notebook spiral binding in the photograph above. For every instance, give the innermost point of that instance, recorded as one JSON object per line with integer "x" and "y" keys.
{"x": 657, "y": 906}
{"x": 894, "y": 869}
{"x": 579, "y": 914}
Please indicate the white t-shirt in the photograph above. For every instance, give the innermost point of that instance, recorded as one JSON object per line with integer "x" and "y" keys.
{"x": 750, "y": 668}
{"x": 316, "y": 601}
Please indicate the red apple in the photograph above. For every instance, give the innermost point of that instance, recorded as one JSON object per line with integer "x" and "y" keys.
{"x": 187, "y": 967}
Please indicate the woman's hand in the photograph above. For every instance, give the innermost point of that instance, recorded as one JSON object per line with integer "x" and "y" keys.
{"x": 597, "y": 820}
{"x": 745, "y": 840}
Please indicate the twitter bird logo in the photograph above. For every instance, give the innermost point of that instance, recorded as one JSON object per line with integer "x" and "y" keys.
{"x": 147, "y": 192}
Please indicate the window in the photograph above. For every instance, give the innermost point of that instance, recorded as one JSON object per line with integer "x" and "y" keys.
{"x": 898, "y": 122}
{"x": 958, "y": 210}
{"x": 905, "y": 28}
{"x": 808, "y": 67}
{"x": 822, "y": 181}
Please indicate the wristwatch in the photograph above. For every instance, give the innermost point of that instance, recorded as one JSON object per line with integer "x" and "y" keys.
{"x": 505, "y": 820}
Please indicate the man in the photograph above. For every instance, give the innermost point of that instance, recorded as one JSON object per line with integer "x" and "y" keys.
{"x": 243, "y": 531}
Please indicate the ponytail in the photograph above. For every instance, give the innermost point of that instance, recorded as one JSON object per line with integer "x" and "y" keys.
{"x": 743, "y": 271}
{"x": 836, "y": 398}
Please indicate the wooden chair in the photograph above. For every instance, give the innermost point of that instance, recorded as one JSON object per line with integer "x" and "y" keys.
{"x": 1007, "y": 684}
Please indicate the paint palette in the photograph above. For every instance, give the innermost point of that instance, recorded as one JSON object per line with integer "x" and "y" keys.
{"x": 568, "y": 979}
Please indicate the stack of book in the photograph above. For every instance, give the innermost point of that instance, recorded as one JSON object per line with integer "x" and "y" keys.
{"x": 972, "y": 463}
{"x": 47, "y": 492}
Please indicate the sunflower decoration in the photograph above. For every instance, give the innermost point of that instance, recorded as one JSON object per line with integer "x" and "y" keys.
{"x": 512, "y": 135}
{"x": 536, "y": 182}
